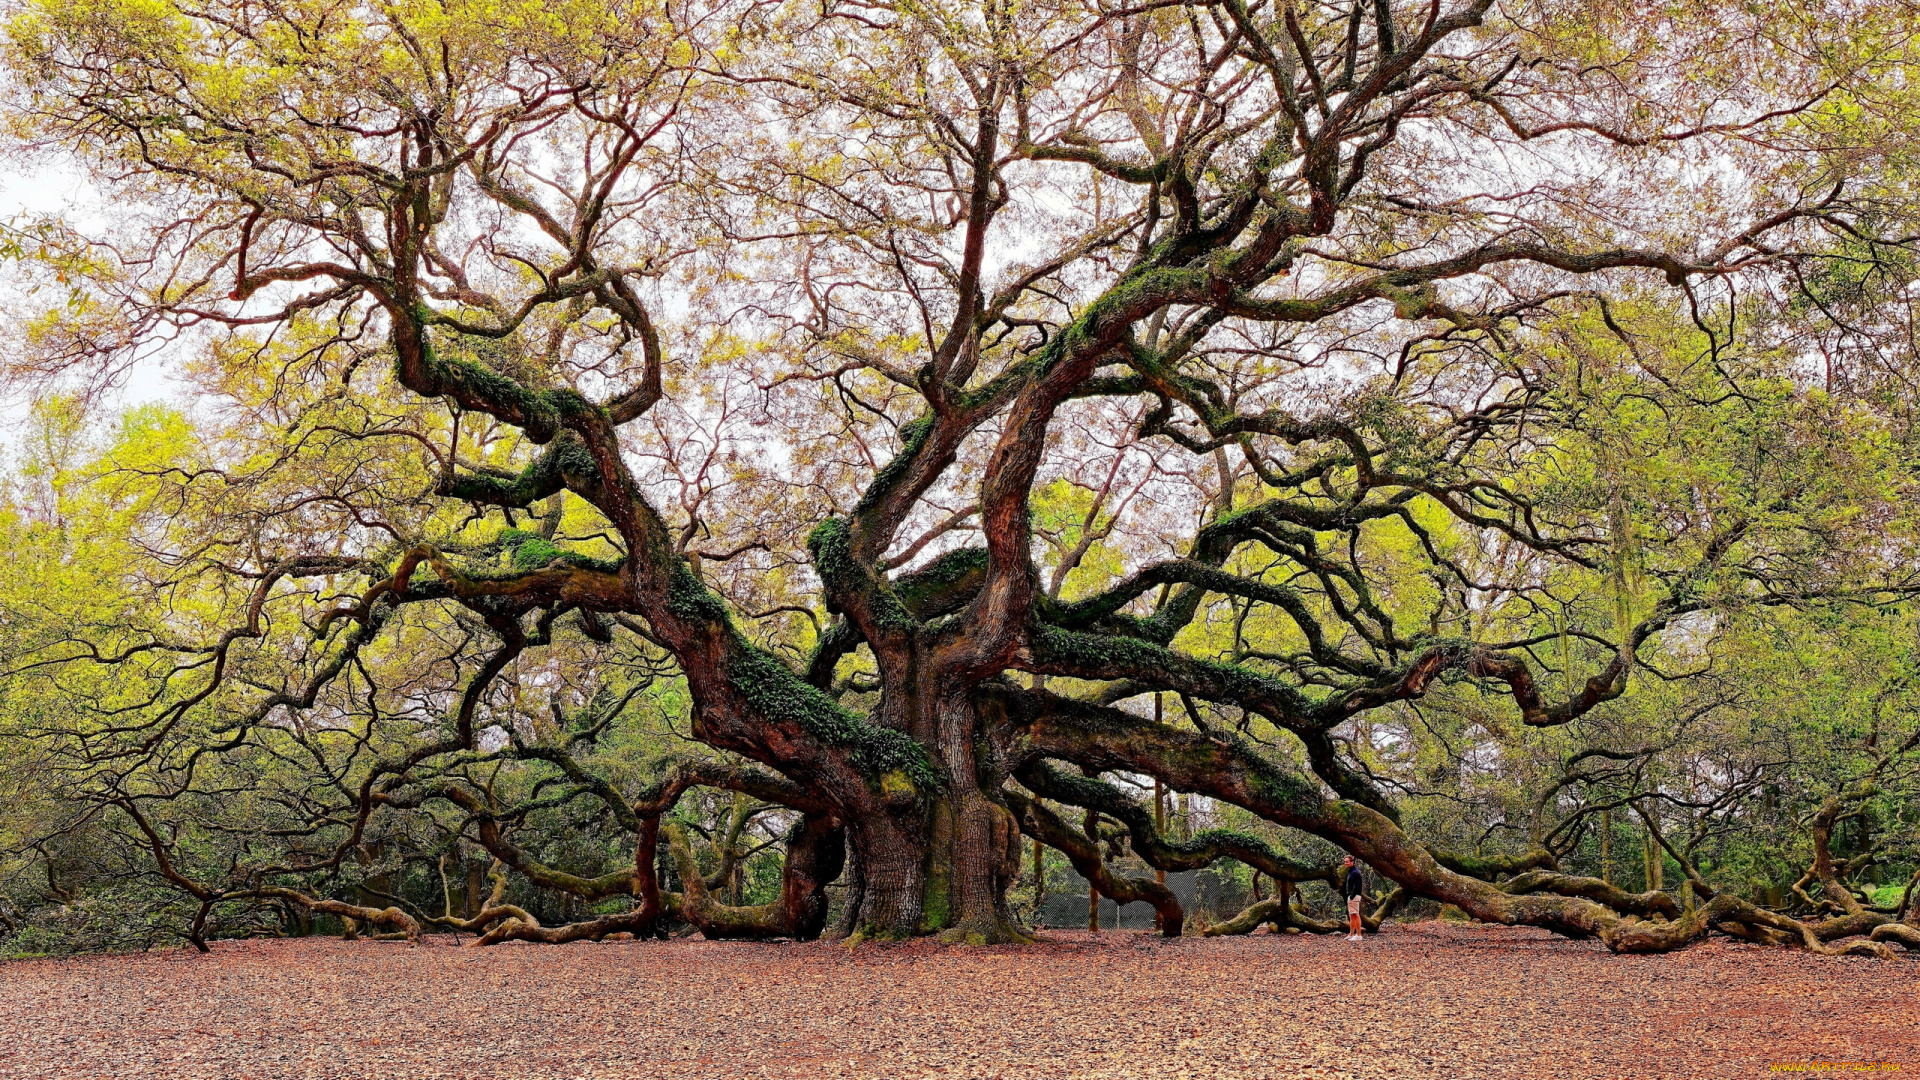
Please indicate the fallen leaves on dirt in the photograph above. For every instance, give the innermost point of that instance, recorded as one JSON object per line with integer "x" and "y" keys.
{"x": 1431, "y": 1000}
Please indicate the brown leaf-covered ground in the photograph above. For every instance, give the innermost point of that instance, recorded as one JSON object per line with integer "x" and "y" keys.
{"x": 1428, "y": 1000}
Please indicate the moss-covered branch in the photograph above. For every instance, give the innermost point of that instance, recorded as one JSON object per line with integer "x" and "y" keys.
{"x": 1148, "y": 666}
{"x": 1045, "y": 826}
{"x": 1645, "y": 905}
{"x": 1492, "y": 867}
{"x": 1100, "y": 609}
{"x": 564, "y": 464}
{"x": 1159, "y": 851}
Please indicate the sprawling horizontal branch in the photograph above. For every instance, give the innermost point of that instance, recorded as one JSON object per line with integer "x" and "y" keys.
{"x": 392, "y": 917}
{"x": 1210, "y": 579}
{"x": 1147, "y": 666}
{"x": 1644, "y": 904}
{"x": 495, "y": 840}
{"x": 1276, "y": 912}
{"x": 1156, "y": 850}
{"x": 517, "y": 925}
{"x": 1492, "y": 867}
{"x": 1281, "y": 912}
{"x": 661, "y": 795}
{"x": 1233, "y": 772}
{"x": 1084, "y": 853}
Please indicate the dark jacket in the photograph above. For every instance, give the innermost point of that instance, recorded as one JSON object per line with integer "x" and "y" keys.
{"x": 1354, "y": 885}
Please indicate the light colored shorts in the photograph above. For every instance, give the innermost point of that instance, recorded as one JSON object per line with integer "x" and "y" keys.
{"x": 1353, "y": 905}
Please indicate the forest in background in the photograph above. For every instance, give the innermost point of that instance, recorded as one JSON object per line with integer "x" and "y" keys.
{"x": 780, "y": 470}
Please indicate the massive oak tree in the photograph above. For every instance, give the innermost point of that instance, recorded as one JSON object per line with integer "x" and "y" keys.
{"x": 1354, "y": 274}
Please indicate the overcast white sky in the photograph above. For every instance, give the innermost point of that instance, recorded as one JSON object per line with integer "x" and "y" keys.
{"x": 28, "y": 193}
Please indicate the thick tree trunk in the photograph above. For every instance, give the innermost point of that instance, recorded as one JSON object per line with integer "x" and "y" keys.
{"x": 949, "y": 876}
{"x": 943, "y": 865}
{"x": 981, "y": 854}
{"x": 893, "y": 855}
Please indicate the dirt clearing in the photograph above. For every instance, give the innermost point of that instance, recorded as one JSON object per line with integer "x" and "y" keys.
{"x": 1432, "y": 1000}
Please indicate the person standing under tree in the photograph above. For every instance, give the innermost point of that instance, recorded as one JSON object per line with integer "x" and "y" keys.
{"x": 1353, "y": 887}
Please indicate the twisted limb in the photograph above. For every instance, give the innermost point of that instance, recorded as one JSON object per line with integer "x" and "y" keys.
{"x": 353, "y": 915}
{"x": 1045, "y": 826}
{"x": 816, "y": 849}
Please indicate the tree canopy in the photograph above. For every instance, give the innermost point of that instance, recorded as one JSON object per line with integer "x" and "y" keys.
{"x": 749, "y": 465}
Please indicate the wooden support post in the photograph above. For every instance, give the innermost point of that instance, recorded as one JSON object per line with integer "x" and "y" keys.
{"x": 1039, "y": 879}
{"x": 1092, "y": 826}
{"x": 1606, "y": 846}
{"x": 1159, "y": 811}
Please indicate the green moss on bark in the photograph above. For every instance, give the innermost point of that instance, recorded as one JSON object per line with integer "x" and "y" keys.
{"x": 689, "y": 598}
{"x": 936, "y": 910}
{"x": 776, "y": 692}
{"x": 913, "y": 439}
{"x": 541, "y": 412}
{"x": 936, "y": 588}
{"x": 831, "y": 545}
{"x": 565, "y": 461}
{"x": 1281, "y": 789}
{"x": 531, "y": 551}
{"x": 1110, "y": 656}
